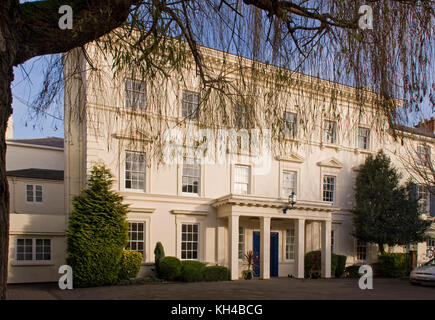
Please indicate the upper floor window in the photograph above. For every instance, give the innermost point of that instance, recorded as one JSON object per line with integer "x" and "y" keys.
{"x": 290, "y": 124}
{"x": 423, "y": 155}
{"x": 329, "y": 132}
{"x": 289, "y": 183}
{"x": 241, "y": 116}
{"x": 290, "y": 244}
{"x": 190, "y": 105}
{"x": 33, "y": 249}
{"x": 191, "y": 176}
{"x": 363, "y": 138}
{"x": 329, "y": 188}
{"x": 189, "y": 241}
{"x": 424, "y": 198}
{"x": 135, "y": 165}
{"x": 136, "y": 237}
{"x": 241, "y": 243}
{"x": 33, "y": 193}
{"x": 135, "y": 94}
{"x": 361, "y": 250}
{"x": 242, "y": 179}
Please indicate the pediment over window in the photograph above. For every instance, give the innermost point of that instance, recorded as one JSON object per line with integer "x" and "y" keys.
{"x": 331, "y": 163}
{"x": 292, "y": 157}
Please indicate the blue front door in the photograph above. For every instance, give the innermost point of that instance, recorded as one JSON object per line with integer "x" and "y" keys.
{"x": 273, "y": 254}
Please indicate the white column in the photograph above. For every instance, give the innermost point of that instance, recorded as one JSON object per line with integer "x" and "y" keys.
{"x": 233, "y": 240}
{"x": 220, "y": 242}
{"x": 300, "y": 247}
{"x": 265, "y": 247}
{"x": 326, "y": 249}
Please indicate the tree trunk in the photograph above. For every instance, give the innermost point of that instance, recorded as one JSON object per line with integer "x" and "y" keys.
{"x": 6, "y": 77}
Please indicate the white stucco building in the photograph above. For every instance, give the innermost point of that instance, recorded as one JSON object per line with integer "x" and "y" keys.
{"x": 211, "y": 212}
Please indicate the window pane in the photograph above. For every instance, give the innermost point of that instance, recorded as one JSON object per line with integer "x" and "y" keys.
{"x": 136, "y": 235}
{"x": 135, "y": 165}
{"x": 191, "y": 178}
{"x": 189, "y": 241}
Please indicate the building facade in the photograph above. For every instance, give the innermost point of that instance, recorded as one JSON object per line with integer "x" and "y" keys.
{"x": 209, "y": 211}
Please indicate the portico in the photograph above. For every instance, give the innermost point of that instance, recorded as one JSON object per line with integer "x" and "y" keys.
{"x": 250, "y": 215}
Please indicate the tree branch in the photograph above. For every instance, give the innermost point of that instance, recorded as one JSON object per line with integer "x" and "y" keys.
{"x": 39, "y": 32}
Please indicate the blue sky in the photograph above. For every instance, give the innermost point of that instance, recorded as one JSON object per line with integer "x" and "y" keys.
{"x": 27, "y": 84}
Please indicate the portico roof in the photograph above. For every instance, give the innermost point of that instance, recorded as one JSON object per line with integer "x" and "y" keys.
{"x": 267, "y": 202}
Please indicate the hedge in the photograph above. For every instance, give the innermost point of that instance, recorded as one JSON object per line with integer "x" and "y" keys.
{"x": 192, "y": 271}
{"x": 216, "y": 273}
{"x": 130, "y": 264}
{"x": 394, "y": 265}
{"x": 313, "y": 262}
{"x": 170, "y": 268}
{"x": 341, "y": 265}
{"x": 352, "y": 271}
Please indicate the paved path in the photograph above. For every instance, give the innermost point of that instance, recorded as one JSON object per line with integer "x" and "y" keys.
{"x": 275, "y": 289}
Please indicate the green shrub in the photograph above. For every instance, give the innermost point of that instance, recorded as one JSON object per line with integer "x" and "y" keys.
{"x": 97, "y": 232}
{"x": 130, "y": 264}
{"x": 192, "y": 271}
{"x": 313, "y": 261}
{"x": 216, "y": 273}
{"x": 341, "y": 266}
{"x": 170, "y": 268}
{"x": 352, "y": 271}
{"x": 159, "y": 254}
{"x": 394, "y": 265}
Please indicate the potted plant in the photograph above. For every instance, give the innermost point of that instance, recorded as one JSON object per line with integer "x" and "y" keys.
{"x": 250, "y": 263}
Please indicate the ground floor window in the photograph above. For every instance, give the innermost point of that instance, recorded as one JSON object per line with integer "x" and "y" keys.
{"x": 290, "y": 244}
{"x": 241, "y": 243}
{"x": 430, "y": 248}
{"x": 189, "y": 241}
{"x": 332, "y": 241}
{"x": 361, "y": 250}
{"x": 33, "y": 249}
{"x": 136, "y": 237}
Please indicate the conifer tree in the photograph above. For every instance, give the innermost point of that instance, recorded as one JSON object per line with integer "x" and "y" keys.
{"x": 385, "y": 212}
{"x": 97, "y": 232}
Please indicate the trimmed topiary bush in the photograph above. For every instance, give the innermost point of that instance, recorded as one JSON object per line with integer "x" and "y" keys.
{"x": 159, "y": 254}
{"x": 313, "y": 262}
{"x": 192, "y": 271}
{"x": 341, "y": 265}
{"x": 130, "y": 264}
{"x": 170, "y": 268}
{"x": 394, "y": 265}
{"x": 216, "y": 273}
{"x": 352, "y": 271}
{"x": 97, "y": 232}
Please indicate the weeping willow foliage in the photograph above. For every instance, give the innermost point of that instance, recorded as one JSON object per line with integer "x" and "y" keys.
{"x": 308, "y": 57}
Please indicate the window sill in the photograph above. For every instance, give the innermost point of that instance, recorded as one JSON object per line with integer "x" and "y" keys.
{"x": 188, "y": 194}
{"x": 31, "y": 263}
{"x": 288, "y": 262}
{"x": 330, "y": 146}
{"x": 363, "y": 151}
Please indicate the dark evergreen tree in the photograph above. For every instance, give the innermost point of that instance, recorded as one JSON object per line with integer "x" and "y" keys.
{"x": 97, "y": 232}
{"x": 385, "y": 212}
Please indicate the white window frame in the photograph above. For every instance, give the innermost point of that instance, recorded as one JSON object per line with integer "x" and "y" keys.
{"x": 295, "y": 183}
{"x": 130, "y": 88}
{"x": 34, "y": 193}
{"x": 423, "y": 155}
{"x": 199, "y": 177}
{"x": 144, "y": 241}
{"x": 334, "y": 191}
{"x": 290, "y": 133}
{"x": 198, "y": 241}
{"x": 424, "y": 198}
{"x": 430, "y": 248}
{"x": 326, "y": 134}
{"x": 34, "y": 260}
{"x": 190, "y": 104}
{"x": 357, "y": 246}
{"x": 234, "y": 181}
{"x": 242, "y": 243}
{"x": 368, "y": 142}
{"x": 144, "y": 172}
{"x": 290, "y": 234}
